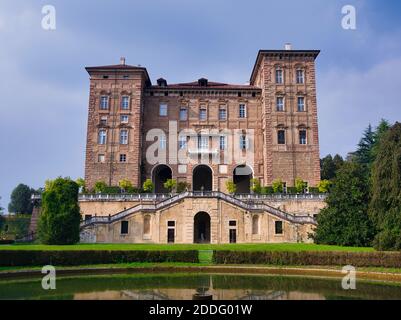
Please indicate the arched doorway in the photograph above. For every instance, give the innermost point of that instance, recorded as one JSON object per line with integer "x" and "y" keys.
{"x": 242, "y": 177}
{"x": 160, "y": 175}
{"x": 202, "y": 228}
{"x": 202, "y": 179}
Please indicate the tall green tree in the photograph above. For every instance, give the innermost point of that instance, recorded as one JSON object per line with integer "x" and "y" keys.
{"x": 380, "y": 131}
{"x": 385, "y": 204}
{"x": 345, "y": 220}
{"x": 21, "y": 200}
{"x": 60, "y": 218}
{"x": 363, "y": 154}
{"x": 1, "y": 208}
{"x": 329, "y": 166}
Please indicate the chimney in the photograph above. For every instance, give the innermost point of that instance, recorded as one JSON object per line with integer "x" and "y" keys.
{"x": 122, "y": 60}
{"x": 288, "y": 46}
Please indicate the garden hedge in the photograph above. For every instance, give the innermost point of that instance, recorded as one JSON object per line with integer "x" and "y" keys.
{"x": 87, "y": 257}
{"x": 310, "y": 258}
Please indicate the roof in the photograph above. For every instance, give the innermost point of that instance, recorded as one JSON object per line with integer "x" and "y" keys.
{"x": 210, "y": 85}
{"x": 313, "y": 53}
{"x": 118, "y": 67}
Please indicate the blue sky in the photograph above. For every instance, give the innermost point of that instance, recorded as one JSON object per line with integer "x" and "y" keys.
{"x": 44, "y": 89}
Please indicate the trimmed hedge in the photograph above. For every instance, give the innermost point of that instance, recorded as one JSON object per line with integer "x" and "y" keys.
{"x": 310, "y": 258}
{"x": 87, "y": 257}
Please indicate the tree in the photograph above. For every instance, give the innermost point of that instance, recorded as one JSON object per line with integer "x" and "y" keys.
{"x": 385, "y": 204}
{"x": 81, "y": 184}
{"x": 60, "y": 217}
{"x": 363, "y": 154}
{"x": 345, "y": 220}
{"x": 100, "y": 187}
{"x": 256, "y": 187}
{"x": 148, "y": 186}
{"x": 1, "y": 208}
{"x": 21, "y": 200}
{"x": 170, "y": 185}
{"x": 381, "y": 129}
{"x": 231, "y": 187}
{"x": 329, "y": 166}
{"x": 278, "y": 186}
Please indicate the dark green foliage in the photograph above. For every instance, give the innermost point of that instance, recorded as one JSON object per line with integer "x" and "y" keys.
{"x": 60, "y": 217}
{"x": 329, "y": 166}
{"x": 363, "y": 154}
{"x": 21, "y": 200}
{"x": 310, "y": 258}
{"x": 345, "y": 221}
{"x": 87, "y": 257}
{"x": 385, "y": 204}
{"x": 15, "y": 226}
{"x": 267, "y": 190}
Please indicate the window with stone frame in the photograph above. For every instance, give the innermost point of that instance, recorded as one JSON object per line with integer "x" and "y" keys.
{"x": 125, "y": 102}
{"x": 124, "y": 136}
{"x": 279, "y": 75}
{"x": 222, "y": 113}
{"x": 300, "y": 76}
{"x": 242, "y": 111}
{"x": 123, "y": 158}
{"x": 280, "y": 104}
{"x": 303, "y": 137}
{"x": 104, "y": 102}
{"x": 281, "y": 136}
{"x": 102, "y": 136}
{"x": 301, "y": 104}
{"x": 163, "y": 110}
{"x": 183, "y": 114}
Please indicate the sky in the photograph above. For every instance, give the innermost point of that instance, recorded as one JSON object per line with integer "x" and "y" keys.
{"x": 44, "y": 86}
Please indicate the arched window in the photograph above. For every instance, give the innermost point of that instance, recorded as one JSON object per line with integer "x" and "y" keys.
{"x": 255, "y": 224}
{"x": 146, "y": 225}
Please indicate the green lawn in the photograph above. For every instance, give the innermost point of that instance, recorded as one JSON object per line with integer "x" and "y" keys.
{"x": 238, "y": 247}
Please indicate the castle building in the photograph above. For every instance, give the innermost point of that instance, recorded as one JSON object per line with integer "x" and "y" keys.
{"x": 203, "y": 134}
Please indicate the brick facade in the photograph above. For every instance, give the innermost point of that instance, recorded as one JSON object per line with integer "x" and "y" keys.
{"x": 271, "y": 160}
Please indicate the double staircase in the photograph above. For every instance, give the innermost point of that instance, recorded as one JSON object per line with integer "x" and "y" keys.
{"x": 165, "y": 203}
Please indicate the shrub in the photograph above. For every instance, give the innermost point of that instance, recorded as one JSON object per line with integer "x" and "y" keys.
{"x": 267, "y": 190}
{"x": 148, "y": 186}
{"x": 87, "y": 257}
{"x": 300, "y": 185}
{"x": 310, "y": 258}
{"x": 324, "y": 186}
{"x": 170, "y": 185}
{"x": 231, "y": 187}
{"x": 100, "y": 187}
{"x": 278, "y": 186}
{"x": 256, "y": 186}
{"x": 314, "y": 190}
{"x": 183, "y": 186}
{"x": 125, "y": 185}
{"x": 21, "y": 200}
{"x": 81, "y": 184}
{"x": 292, "y": 190}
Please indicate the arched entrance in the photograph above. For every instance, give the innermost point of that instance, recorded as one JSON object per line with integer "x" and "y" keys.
{"x": 202, "y": 228}
{"x": 202, "y": 178}
{"x": 242, "y": 177}
{"x": 160, "y": 175}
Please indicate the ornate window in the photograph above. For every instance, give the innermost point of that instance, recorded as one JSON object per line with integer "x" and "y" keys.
{"x": 300, "y": 76}
{"x": 124, "y": 136}
{"x": 281, "y": 136}
{"x": 104, "y": 102}
{"x": 280, "y": 104}
{"x": 102, "y": 137}
{"x": 202, "y": 114}
{"x": 303, "y": 137}
{"x": 183, "y": 114}
{"x": 301, "y": 104}
{"x": 223, "y": 144}
{"x": 125, "y": 102}
{"x": 242, "y": 111}
{"x": 222, "y": 113}
{"x": 279, "y": 75}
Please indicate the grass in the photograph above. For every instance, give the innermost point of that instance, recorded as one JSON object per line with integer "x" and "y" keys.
{"x": 206, "y": 247}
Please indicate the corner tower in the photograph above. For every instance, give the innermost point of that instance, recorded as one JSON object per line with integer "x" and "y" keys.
{"x": 114, "y": 139}
{"x": 289, "y": 114}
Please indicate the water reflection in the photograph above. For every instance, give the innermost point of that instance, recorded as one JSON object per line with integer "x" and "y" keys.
{"x": 196, "y": 287}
